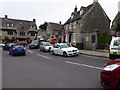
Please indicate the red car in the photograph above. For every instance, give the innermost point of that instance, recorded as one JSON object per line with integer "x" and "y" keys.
{"x": 110, "y": 75}
{"x": 22, "y": 43}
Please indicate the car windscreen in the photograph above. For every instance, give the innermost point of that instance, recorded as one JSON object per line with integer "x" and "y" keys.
{"x": 116, "y": 43}
{"x": 34, "y": 42}
{"x": 18, "y": 46}
{"x": 64, "y": 46}
{"x": 10, "y": 44}
{"x": 47, "y": 44}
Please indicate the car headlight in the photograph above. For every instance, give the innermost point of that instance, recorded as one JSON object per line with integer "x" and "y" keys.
{"x": 111, "y": 67}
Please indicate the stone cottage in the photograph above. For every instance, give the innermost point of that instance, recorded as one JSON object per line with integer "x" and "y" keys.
{"x": 54, "y": 30}
{"x": 17, "y": 30}
{"x": 85, "y": 25}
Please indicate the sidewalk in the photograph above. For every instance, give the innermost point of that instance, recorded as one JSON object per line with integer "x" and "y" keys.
{"x": 97, "y": 53}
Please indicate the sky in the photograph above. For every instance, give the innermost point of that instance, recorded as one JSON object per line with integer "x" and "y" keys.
{"x": 50, "y": 10}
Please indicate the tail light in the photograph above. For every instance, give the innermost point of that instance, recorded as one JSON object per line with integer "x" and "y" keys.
{"x": 13, "y": 49}
{"x": 24, "y": 48}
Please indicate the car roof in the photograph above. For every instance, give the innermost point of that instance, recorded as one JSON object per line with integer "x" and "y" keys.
{"x": 61, "y": 43}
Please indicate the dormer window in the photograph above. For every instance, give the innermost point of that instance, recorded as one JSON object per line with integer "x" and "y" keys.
{"x": 32, "y": 26}
{"x": 72, "y": 16}
{"x": 81, "y": 12}
{"x": 9, "y": 24}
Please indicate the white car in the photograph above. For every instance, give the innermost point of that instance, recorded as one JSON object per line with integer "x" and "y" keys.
{"x": 1, "y": 45}
{"x": 64, "y": 49}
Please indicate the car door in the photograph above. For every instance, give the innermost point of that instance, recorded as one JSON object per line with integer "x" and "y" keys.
{"x": 41, "y": 46}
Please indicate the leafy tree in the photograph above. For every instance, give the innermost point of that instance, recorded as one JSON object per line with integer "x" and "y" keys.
{"x": 43, "y": 26}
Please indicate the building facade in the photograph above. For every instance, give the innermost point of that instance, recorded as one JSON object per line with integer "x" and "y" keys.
{"x": 54, "y": 30}
{"x": 17, "y": 30}
{"x": 85, "y": 25}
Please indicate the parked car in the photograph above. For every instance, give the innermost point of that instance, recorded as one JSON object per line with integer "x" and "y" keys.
{"x": 24, "y": 43}
{"x": 114, "y": 48}
{"x": 1, "y": 44}
{"x": 64, "y": 49}
{"x": 34, "y": 44}
{"x": 17, "y": 50}
{"x": 45, "y": 46}
{"x": 110, "y": 75}
{"x": 7, "y": 46}
{"x": 40, "y": 38}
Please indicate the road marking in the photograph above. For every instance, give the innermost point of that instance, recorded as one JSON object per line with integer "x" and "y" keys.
{"x": 30, "y": 51}
{"x": 83, "y": 65}
{"x": 44, "y": 56}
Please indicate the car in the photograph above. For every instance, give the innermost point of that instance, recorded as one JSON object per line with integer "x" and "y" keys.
{"x": 7, "y": 46}
{"x": 17, "y": 50}
{"x": 114, "y": 50}
{"x": 64, "y": 49}
{"x": 45, "y": 46}
{"x": 110, "y": 75}
{"x": 24, "y": 43}
{"x": 1, "y": 44}
{"x": 34, "y": 44}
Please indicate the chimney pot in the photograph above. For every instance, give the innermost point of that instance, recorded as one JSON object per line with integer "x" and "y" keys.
{"x": 119, "y": 6}
{"x": 60, "y": 22}
{"x": 94, "y": 1}
{"x": 34, "y": 20}
{"x": 6, "y": 16}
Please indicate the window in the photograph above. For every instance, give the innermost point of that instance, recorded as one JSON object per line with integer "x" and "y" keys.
{"x": 116, "y": 43}
{"x": 70, "y": 26}
{"x": 22, "y": 33}
{"x": 10, "y": 32}
{"x": 9, "y": 24}
{"x": 81, "y": 12}
{"x": 67, "y": 27}
{"x": 74, "y": 25}
{"x": 66, "y": 38}
{"x": 72, "y": 16}
{"x": 33, "y": 34}
{"x": 74, "y": 35}
{"x": 32, "y": 26}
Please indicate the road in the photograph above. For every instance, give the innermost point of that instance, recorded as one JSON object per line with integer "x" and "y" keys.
{"x": 43, "y": 70}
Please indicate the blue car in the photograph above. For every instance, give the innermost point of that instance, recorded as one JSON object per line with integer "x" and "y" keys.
{"x": 17, "y": 50}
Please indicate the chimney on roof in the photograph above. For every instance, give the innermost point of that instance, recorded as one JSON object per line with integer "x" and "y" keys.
{"x": 75, "y": 10}
{"x": 60, "y": 22}
{"x": 119, "y": 6}
{"x": 34, "y": 20}
{"x": 94, "y": 1}
{"x": 6, "y": 16}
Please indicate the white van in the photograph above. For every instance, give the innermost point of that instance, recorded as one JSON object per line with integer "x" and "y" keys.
{"x": 114, "y": 48}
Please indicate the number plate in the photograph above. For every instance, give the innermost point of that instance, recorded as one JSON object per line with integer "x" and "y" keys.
{"x": 19, "y": 50}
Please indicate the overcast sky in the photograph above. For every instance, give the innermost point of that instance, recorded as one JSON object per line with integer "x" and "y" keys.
{"x": 50, "y": 10}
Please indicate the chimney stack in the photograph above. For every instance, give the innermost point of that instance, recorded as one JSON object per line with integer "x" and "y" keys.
{"x": 119, "y": 6}
{"x": 94, "y": 1}
{"x": 34, "y": 20}
{"x": 60, "y": 22}
{"x": 75, "y": 10}
{"x": 6, "y": 16}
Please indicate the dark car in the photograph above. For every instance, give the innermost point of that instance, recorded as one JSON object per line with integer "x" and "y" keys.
{"x": 34, "y": 44}
{"x": 110, "y": 75}
{"x": 17, "y": 50}
{"x": 7, "y": 46}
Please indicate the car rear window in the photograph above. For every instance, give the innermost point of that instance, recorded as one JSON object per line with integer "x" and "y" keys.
{"x": 116, "y": 43}
{"x": 18, "y": 46}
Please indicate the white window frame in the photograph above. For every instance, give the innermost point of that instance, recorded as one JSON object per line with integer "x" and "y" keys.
{"x": 81, "y": 12}
{"x": 67, "y": 27}
{"x": 66, "y": 38}
{"x": 74, "y": 37}
{"x": 74, "y": 25}
{"x": 70, "y": 26}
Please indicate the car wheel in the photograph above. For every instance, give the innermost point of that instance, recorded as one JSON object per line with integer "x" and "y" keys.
{"x": 118, "y": 88}
{"x": 64, "y": 54}
{"x": 53, "y": 52}
{"x": 111, "y": 56}
{"x": 44, "y": 50}
{"x": 24, "y": 54}
{"x": 29, "y": 47}
{"x": 9, "y": 53}
{"x": 12, "y": 54}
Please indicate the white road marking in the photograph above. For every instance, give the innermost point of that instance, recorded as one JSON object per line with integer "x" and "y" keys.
{"x": 30, "y": 51}
{"x": 83, "y": 65}
{"x": 44, "y": 56}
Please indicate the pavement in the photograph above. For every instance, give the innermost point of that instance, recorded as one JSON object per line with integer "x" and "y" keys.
{"x": 96, "y": 53}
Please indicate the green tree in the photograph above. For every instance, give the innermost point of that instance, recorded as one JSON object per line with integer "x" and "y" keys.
{"x": 43, "y": 26}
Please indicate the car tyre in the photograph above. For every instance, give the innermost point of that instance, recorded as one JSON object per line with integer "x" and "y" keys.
{"x": 118, "y": 88}
{"x": 53, "y": 52}
{"x": 64, "y": 54}
{"x": 111, "y": 56}
{"x": 24, "y": 54}
{"x": 12, "y": 54}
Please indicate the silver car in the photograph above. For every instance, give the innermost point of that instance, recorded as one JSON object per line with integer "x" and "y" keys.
{"x": 45, "y": 46}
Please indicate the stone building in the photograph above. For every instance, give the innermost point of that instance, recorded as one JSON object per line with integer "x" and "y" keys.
{"x": 54, "y": 30}
{"x": 84, "y": 26}
{"x": 42, "y": 33}
{"x": 17, "y": 30}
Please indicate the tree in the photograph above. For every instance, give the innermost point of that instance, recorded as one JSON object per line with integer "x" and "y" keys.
{"x": 43, "y": 26}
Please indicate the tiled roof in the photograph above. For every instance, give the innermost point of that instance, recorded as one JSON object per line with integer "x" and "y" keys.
{"x": 56, "y": 26}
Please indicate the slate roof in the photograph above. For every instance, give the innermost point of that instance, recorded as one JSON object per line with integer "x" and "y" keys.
{"x": 56, "y": 26}
{"x": 117, "y": 17}
{"x": 85, "y": 10}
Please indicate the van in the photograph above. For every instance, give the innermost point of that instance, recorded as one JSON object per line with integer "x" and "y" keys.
{"x": 114, "y": 50}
